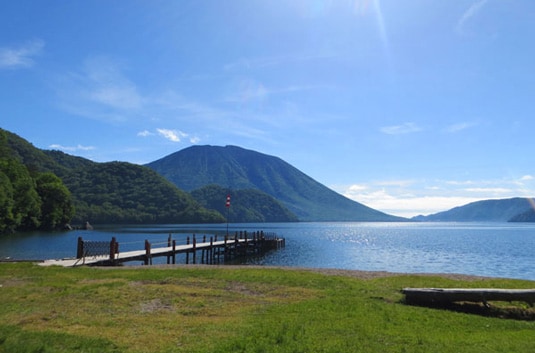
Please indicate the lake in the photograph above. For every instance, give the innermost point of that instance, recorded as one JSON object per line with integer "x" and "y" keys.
{"x": 485, "y": 249}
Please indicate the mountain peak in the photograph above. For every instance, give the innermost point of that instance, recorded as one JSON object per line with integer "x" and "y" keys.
{"x": 239, "y": 168}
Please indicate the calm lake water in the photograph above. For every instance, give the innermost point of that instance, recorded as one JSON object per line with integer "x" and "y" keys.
{"x": 487, "y": 249}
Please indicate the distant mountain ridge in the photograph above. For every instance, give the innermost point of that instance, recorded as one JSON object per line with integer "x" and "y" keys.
{"x": 238, "y": 168}
{"x": 502, "y": 210}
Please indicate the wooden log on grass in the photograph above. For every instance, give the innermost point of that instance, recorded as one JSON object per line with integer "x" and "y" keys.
{"x": 484, "y": 295}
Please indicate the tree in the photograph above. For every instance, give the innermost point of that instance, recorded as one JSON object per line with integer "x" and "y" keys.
{"x": 7, "y": 221}
{"x": 56, "y": 207}
{"x": 26, "y": 201}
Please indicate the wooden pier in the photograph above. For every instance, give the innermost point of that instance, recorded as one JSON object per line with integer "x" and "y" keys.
{"x": 206, "y": 251}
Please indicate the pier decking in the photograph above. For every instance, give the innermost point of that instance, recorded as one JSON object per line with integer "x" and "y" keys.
{"x": 211, "y": 251}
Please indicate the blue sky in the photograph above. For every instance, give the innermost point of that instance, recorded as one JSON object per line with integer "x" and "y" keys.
{"x": 410, "y": 107}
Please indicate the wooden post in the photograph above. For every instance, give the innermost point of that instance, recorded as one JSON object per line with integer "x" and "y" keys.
{"x": 169, "y": 239}
{"x": 211, "y": 251}
{"x": 80, "y": 248}
{"x": 245, "y": 244}
{"x": 203, "y": 249}
{"x": 112, "y": 248}
{"x": 148, "y": 257}
{"x": 174, "y": 252}
{"x": 187, "y": 252}
{"x": 194, "y": 249}
{"x": 225, "y": 248}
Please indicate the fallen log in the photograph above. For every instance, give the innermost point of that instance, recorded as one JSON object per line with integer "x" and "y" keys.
{"x": 484, "y": 295}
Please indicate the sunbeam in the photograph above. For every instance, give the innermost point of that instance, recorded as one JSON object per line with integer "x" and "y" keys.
{"x": 382, "y": 29}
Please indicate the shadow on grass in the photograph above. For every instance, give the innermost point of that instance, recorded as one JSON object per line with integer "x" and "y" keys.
{"x": 487, "y": 310}
{"x": 16, "y": 339}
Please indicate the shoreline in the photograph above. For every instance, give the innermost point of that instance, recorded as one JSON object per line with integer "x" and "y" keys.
{"x": 360, "y": 274}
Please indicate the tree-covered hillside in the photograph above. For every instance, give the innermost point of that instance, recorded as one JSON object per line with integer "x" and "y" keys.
{"x": 101, "y": 192}
{"x": 247, "y": 206}
{"x": 528, "y": 216}
{"x": 30, "y": 199}
{"x": 120, "y": 192}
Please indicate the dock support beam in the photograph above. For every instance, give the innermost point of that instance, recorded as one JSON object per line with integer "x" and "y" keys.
{"x": 80, "y": 248}
{"x": 148, "y": 256}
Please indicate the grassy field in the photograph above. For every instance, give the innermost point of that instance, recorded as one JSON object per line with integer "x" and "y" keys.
{"x": 227, "y": 309}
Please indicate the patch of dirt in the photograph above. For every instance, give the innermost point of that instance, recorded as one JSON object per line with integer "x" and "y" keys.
{"x": 13, "y": 282}
{"x": 98, "y": 281}
{"x": 240, "y": 288}
{"x": 155, "y": 305}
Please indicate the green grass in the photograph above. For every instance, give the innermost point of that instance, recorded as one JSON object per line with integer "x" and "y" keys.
{"x": 209, "y": 309}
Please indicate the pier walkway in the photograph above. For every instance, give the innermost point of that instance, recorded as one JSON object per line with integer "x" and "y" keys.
{"x": 212, "y": 251}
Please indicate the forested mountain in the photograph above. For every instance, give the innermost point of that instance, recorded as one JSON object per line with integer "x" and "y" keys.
{"x": 30, "y": 156}
{"x": 483, "y": 211}
{"x": 246, "y": 206}
{"x": 115, "y": 192}
{"x": 120, "y": 192}
{"x": 237, "y": 168}
{"x": 30, "y": 198}
{"x": 528, "y": 216}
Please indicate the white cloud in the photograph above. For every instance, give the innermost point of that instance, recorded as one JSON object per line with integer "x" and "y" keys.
{"x": 194, "y": 140}
{"x": 408, "y": 198}
{"x": 404, "y": 203}
{"x": 405, "y": 128}
{"x": 106, "y": 84}
{"x": 356, "y": 188}
{"x": 398, "y": 183}
{"x": 100, "y": 91}
{"x": 172, "y": 135}
{"x": 247, "y": 90}
{"x": 145, "y": 133}
{"x": 472, "y": 11}
{"x": 460, "y": 126}
{"x": 490, "y": 191}
{"x": 116, "y": 96}
{"x": 22, "y": 56}
{"x": 460, "y": 182}
{"x": 71, "y": 148}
